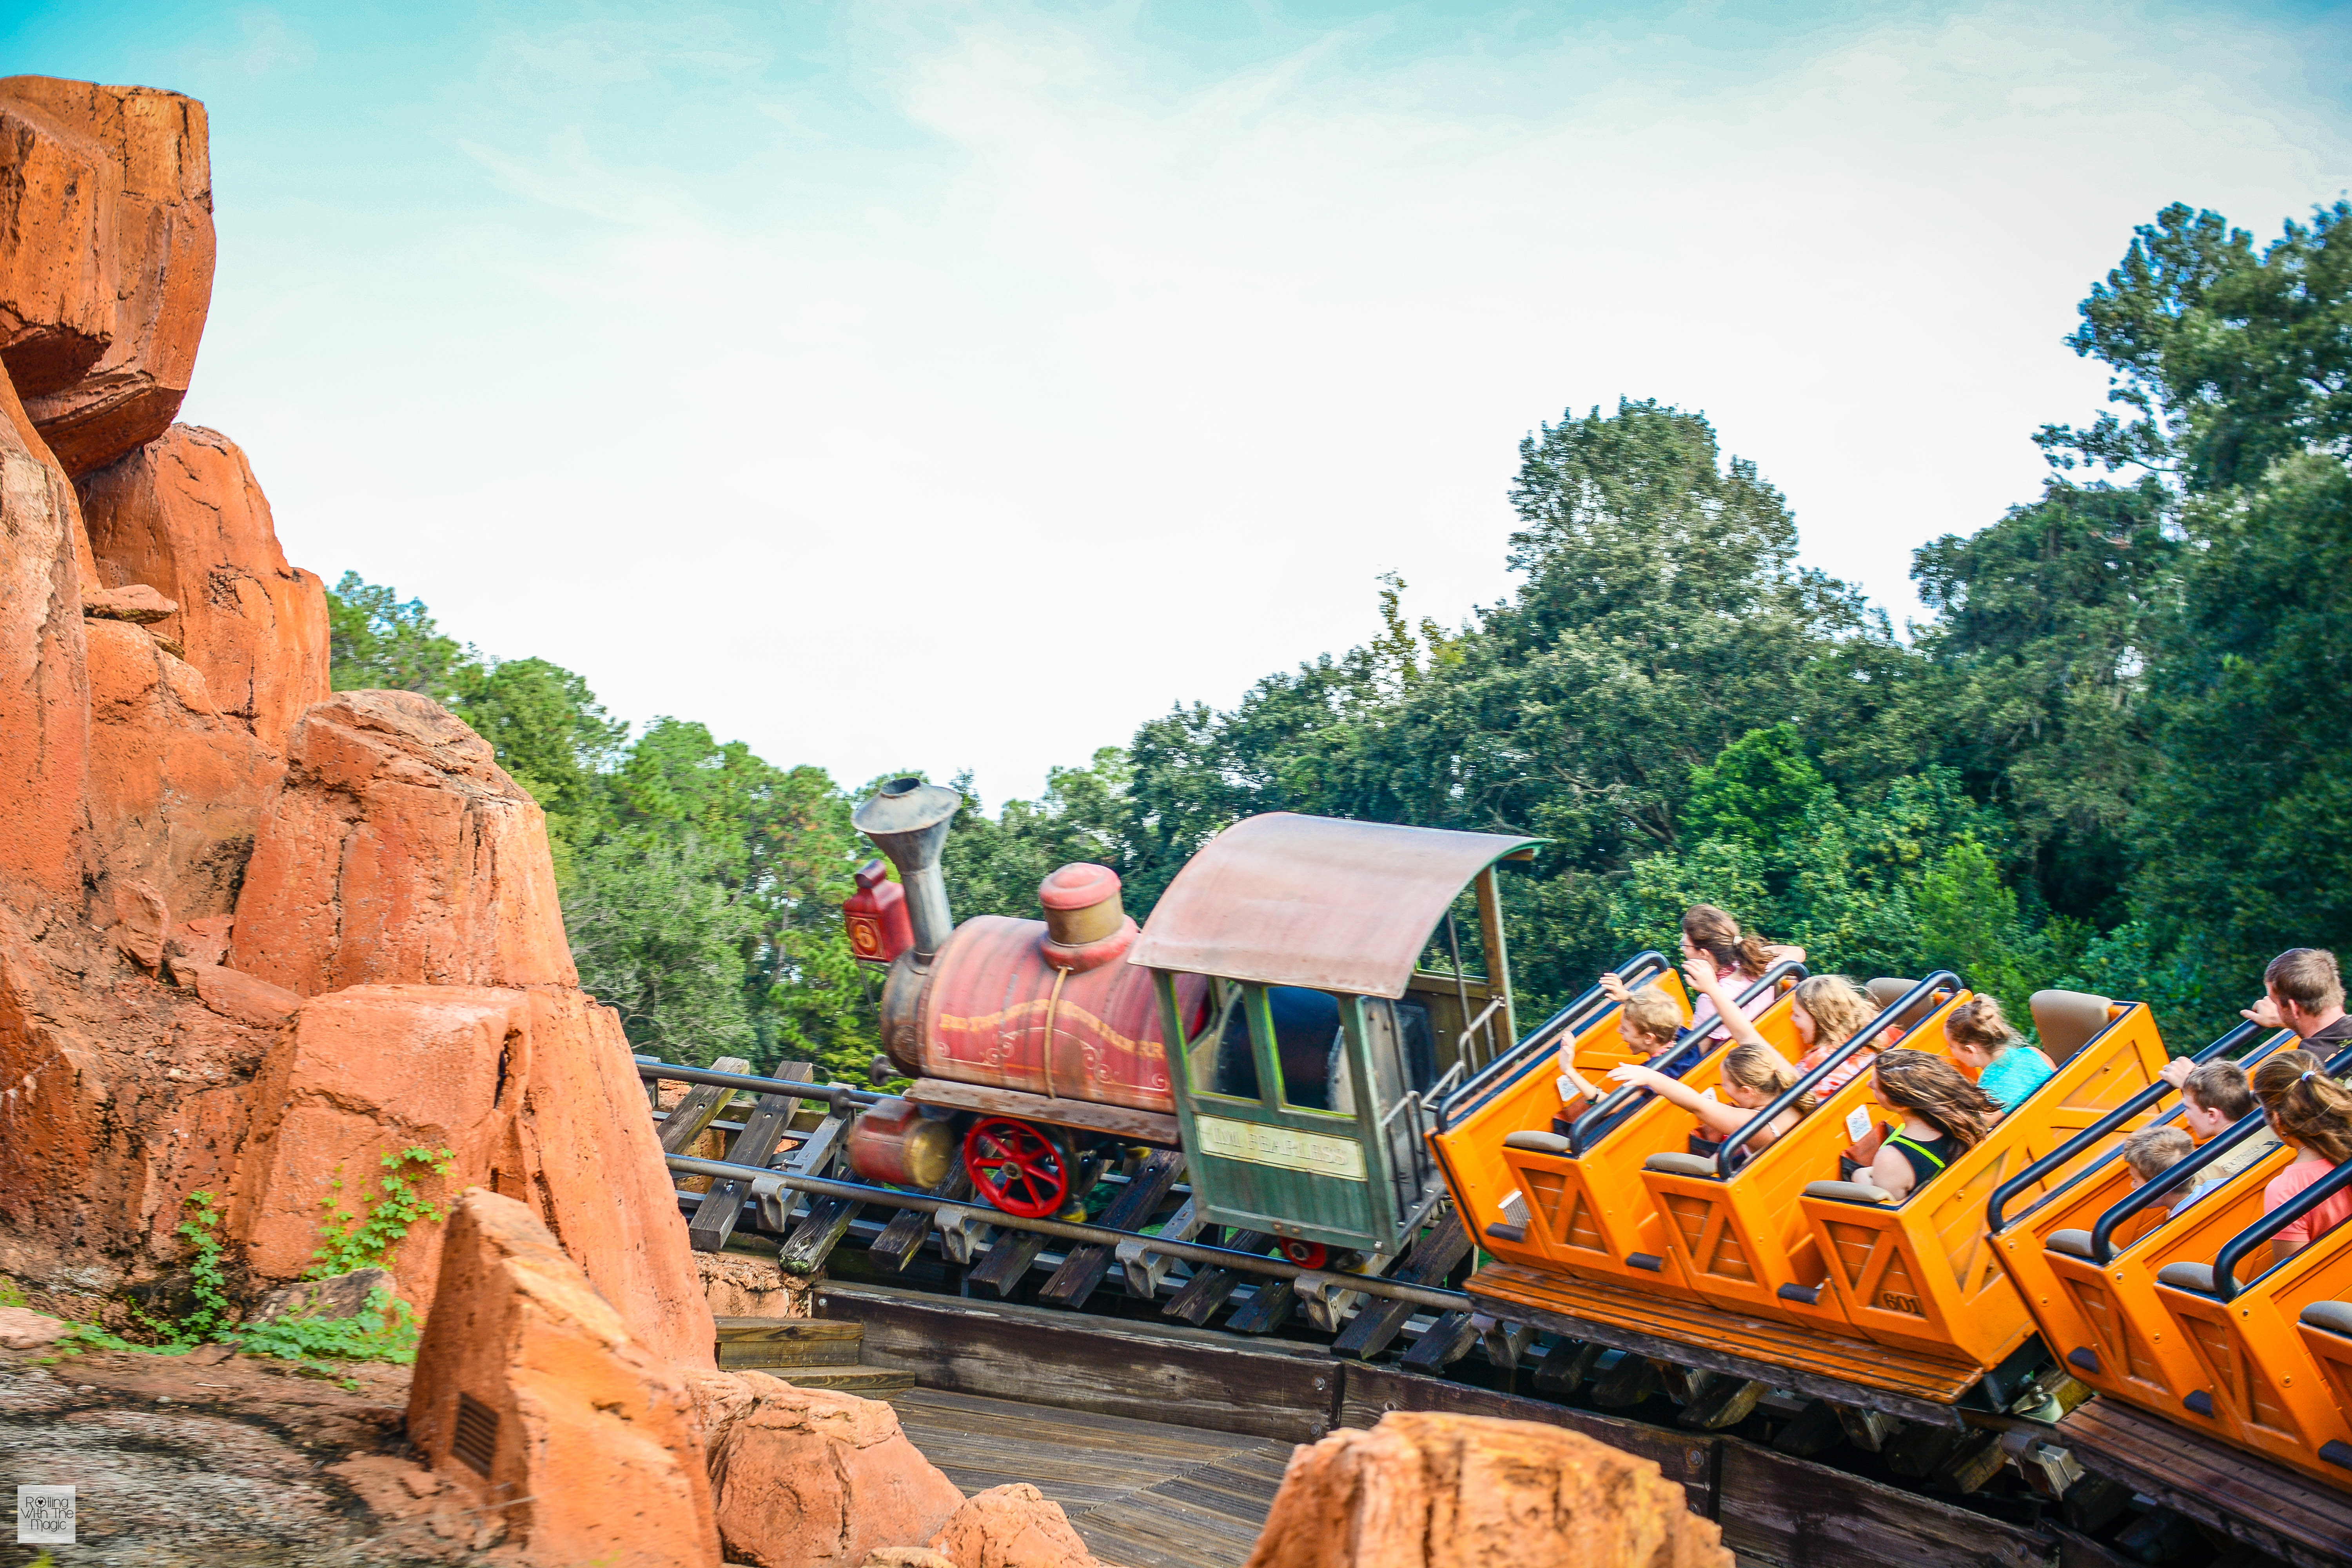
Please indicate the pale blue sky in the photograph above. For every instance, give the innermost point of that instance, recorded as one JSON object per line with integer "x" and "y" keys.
{"x": 957, "y": 386}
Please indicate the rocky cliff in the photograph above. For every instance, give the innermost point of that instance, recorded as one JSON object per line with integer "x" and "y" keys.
{"x": 254, "y": 936}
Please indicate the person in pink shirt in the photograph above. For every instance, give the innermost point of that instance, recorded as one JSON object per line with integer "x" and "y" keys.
{"x": 1739, "y": 959}
{"x": 2312, "y": 1113}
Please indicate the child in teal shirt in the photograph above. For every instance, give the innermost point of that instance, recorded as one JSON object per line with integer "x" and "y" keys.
{"x": 2006, "y": 1070}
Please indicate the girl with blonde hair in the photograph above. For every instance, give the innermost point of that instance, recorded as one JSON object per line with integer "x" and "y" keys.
{"x": 1754, "y": 1076}
{"x": 2313, "y": 1112}
{"x": 1826, "y": 1013}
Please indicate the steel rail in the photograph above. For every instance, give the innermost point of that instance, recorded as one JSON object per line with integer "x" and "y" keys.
{"x": 1098, "y": 1236}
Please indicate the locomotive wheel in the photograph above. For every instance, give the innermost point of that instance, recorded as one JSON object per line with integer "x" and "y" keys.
{"x": 1306, "y": 1253}
{"x": 1016, "y": 1167}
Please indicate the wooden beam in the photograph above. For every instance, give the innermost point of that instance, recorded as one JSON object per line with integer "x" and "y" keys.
{"x": 693, "y": 1113}
{"x": 715, "y": 1220}
{"x": 903, "y": 1237}
{"x": 818, "y": 1233}
{"x": 1010, "y": 1255}
{"x": 1211, "y": 1288}
{"x": 1087, "y": 1266}
{"x": 1432, "y": 1258}
{"x": 1776, "y": 1509}
{"x": 1144, "y": 1369}
{"x": 1447, "y": 1340}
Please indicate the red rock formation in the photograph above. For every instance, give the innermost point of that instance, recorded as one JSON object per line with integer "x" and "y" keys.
{"x": 57, "y": 274}
{"x": 44, "y": 686}
{"x": 1465, "y": 1491}
{"x": 397, "y": 849}
{"x": 806, "y": 1478}
{"x": 154, "y": 249}
{"x": 533, "y": 1093}
{"x": 1012, "y": 1527}
{"x": 175, "y": 789}
{"x": 532, "y": 1400}
{"x": 182, "y": 516}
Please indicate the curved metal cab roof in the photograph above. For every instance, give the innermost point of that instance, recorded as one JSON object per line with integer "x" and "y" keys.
{"x": 1286, "y": 900}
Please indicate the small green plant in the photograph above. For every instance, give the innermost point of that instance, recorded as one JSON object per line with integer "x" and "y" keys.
{"x": 10, "y": 1294}
{"x": 384, "y": 1330}
{"x": 350, "y": 1241}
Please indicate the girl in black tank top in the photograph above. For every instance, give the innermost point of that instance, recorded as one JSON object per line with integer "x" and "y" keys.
{"x": 1944, "y": 1117}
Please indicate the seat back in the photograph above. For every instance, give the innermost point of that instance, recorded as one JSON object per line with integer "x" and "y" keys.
{"x": 1741, "y": 1241}
{"x": 2066, "y": 1020}
{"x": 2262, "y": 1375}
{"x": 1925, "y": 1274}
{"x": 1498, "y": 1189}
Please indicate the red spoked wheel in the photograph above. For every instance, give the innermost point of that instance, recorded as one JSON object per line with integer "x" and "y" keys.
{"x": 1016, "y": 1167}
{"x": 1306, "y": 1253}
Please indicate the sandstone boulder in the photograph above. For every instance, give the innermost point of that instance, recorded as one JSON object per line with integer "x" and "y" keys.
{"x": 740, "y": 1287}
{"x": 25, "y": 1330}
{"x": 174, "y": 788}
{"x": 806, "y": 1478}
{"x": 906, "y": 1557}
{"x": 154, "y": 249}
{"x": 534, "y": 1094}
{"x": 532, "y": 1401}
{"x": 1012, "y": 1527}
{"x": 44, "y": 684}
{"x": 1423, "y": 1490}
{"x": 337, "y": 1295}
{"x": 137, "y": 603}
{"x": 56, "y": 273}
{"x": 237, "y": 996}
{"x": 182, "y": 520}
{"x": 397, "y": 850}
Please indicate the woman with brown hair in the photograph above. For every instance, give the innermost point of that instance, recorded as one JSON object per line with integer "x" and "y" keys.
{"x": 1944, "y": 1117}
{"x": 1826, "y": 1013}
{"x": 2313, "y": 1112}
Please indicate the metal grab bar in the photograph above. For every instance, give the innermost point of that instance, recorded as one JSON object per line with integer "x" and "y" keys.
{"x": 1507, "y": 1069}
{"x": 2103, "y": 1233}
{"x": 2102, "y": 1126}
{"x": 2113, "y": 1120}
{"x": 956, "y": 1212}
{"x": 1894, "y": 1012}
{"x": 2233, "y": 1251}
{"x": 1601, "y": 1116}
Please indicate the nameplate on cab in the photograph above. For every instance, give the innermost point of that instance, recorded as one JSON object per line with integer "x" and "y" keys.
{"x": 1292, "y": 1150}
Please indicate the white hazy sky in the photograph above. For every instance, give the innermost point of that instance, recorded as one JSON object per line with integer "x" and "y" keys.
{"x": 955, "y": 387}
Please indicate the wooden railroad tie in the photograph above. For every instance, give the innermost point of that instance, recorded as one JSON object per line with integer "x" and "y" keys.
{"x": 1087, "y": 1266}
{"x": 715, "y": 1219}
{"x": 1211, "y": 1288}
{"x": 1430, "y": 1261}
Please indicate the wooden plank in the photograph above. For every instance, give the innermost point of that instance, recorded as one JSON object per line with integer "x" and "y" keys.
{"x": 1267, "y": 1309}
{"x": 1087, "y": 1266}
{"x": 691, "y": 1116}
{"x": 1916, "y": 1386}
{"x": 1433, "y": 1257}
{"x": 1145, "y": 1268}
{"x": 1011, "y": 1254}
{"x": 1117, "y": 1367}
{"x": 1369, "y": 1392}
{"x": 1802, "y": 1515}
{"x": 788, "y": 1341}
{"x": 1445, "y": 1342}
{"x": 903, "y": 1237}
{"x": 1117, "y": 1120}
{"x": 770, "y": 1116}
{"x": 818, "y": 1233}
{"x": 1211, "y": 1288}
{"x": 2247, "y": 1498}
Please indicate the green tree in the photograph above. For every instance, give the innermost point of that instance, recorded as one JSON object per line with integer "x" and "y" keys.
{"x": 1756, "y": 790}
{"x": 378, "y": 641}
{"x": 549, "y": 732}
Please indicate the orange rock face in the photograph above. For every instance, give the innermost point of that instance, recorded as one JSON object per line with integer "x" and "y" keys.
{"x": 1012, "y": 1527}
{"x": 175, "y": 788}
{"x": 183, "y": 517}
{"x": 1469, "y": 1491}
{"x": 533, "y": 1093}
{"x": 397, "y": 850}
{"x": 44, "y": 685}
{"x": 57, "y": 278}
{"x": 532, "y": 1399}
{"x": 153, "y": 250}
{"x": 806, "y": 1478}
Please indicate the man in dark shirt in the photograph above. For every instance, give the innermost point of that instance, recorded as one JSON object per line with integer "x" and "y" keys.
{"x": 2304, "y": 990}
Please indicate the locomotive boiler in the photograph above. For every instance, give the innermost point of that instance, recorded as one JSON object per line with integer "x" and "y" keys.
{"x": 1272, "y": 1020}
